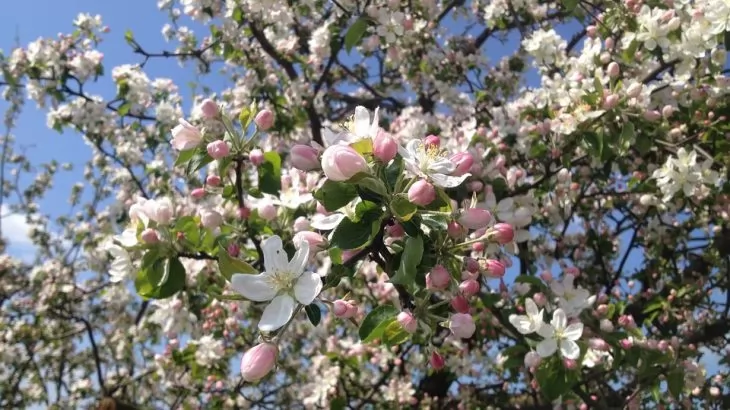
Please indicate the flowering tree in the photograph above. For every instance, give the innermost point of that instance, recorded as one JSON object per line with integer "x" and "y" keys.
{"x": 334, "y": 229}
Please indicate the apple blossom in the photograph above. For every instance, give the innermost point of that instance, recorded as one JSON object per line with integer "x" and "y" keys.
{"x": 258, "y": 361}
{"x": 340, "y": 163}
{"x": 462, "y": 325}
{"x": 264, "y": 119}
{"x": 185, "y": 136}
{"x": 421, "y": 193}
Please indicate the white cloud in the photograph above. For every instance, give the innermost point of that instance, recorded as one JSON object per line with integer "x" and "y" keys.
{"x": 14, "y": 228}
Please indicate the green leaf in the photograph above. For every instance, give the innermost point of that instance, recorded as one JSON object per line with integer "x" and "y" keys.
{"x": 515, "y": 356}
{"x": 314, "y": 313}
{"x": 335, "y": 255}
{"x": 355, "y": 235}
{"x": 393, "y": 172}
{"x": 229, "y": 265}
{"x": 374, "y": 324}
{"x": 595, "y": 144}
{"x": 570, "y": 5}
{"x": 394, "y": 334}
{"x": 270, "y": 173}
{"x": 554, "y": 379}
{"x": 402, "y": 208}
{"x": 334, "y": 195}
{"x": 675, "y": 382}
{"x": 435, "y": 222}
{"x": 338, "y": 403}
{"x": 129, "y": 37}
{"x": 530, "y": 280}
{"x": 184, "y": 157}
{"x": 160, "y": 279}
{"x": 367, "y": 182}
{"x": 124, "y": 109}
{"x": 355, "y": 33}
{"x": 643, "y": 144}
{"x": 246, "y": 116}
{"x": 409, "y": 261}
{"x": 189, "y": 227}
{"x": 199, "y": 160}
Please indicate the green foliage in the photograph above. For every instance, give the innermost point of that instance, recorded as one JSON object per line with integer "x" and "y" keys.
{"x": 355, "y": 33}
{"x": 159, "y": 277}
{"x": 230, "y": 266}
{"x": 314, "y": 313}
{"x": 270, "y": 173}
{"x": 412, "y": 254}
{"x": 334, "y": 195}
{"x": 375, "y": 323}
{"x": 402, "y": 208}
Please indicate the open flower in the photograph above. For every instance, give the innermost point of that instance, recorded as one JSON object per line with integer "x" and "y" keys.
{"x": 559, "y": 335}
{"x": 359, "y": 128}
{"x": 330, "y": 222}
{"x": 283, "y": 282}
{"x": 431, "y": 163}
{"x": 529, "y": 323}
{"x": 573, "y": 299}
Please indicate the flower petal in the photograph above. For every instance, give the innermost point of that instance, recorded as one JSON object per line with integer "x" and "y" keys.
{"x": 361, "y": 122}
{"x": 327, "y": 223}
{"x": 531, "y": 307}
{"x": 445, "y": 181}
{"x": 569, "y": 349}
{"x": 442, "y": 166}
{"x": 299, "y": 261}
{"x": 545, "y": 330}
{"x": 374, "y": 127}
{"x": 559, "y": 319}
{"x": 547, "y": 347}
{"x": 277, "y": 313}
{"x": 307, "y": 287}
{"x": 522, "y": 323}
{"x": 574, "y": 331}
{"x": 275, "y": 258}
{"x": 253, "y": 287}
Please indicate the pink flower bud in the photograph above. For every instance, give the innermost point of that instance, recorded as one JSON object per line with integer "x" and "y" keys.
{"x": 316, "y": 241}
{"x": 197, "y": 193}
{"x": 610, "y": 101}
{"x": 626, "y": 321}
{"x": 341, "y": 162}
{"x": 652, "y": 115}
{"x": 244, "y": 212}
{"x": 234, "y": 250}
{"x": 351, "y": 307}
{"x": 469, "y": 287}
{"x": 475, "y": 218}
{"x": 218, "y": 149}
{"x": 602, "y": 309}
{"x": 396, "y": 230}
{"x": 340, "y": 308}
{"x": 384, "y": 147}
{"x": 209, "y": 109}
{"x": 460, "y": 304}
{"x": 301, "y": 224}
{"x": 503, "y": 233}
{"x": 258, "y": 361}
{"x": 454, "y": 230}
{"x": 667, "y": 111}
{"x": 570, "y": 363}
{"x": 266, "y": 210}
{"x": 407, "y": 321}
{"x": 613, "y": 69}
{"x": 150, "y": 236}
{"x": 185, "y": 136}
{"x": 540, "y": 299}
{"x": 256, "y": 156}
{"x": 304, "y": 157}
{"x": 432, "y": 141}
{"x": 634, "y": 90}
{"x": 422, "y": 193}
{"x": 532, "y": 359}
{"x": 210, "y": 218}
{"x": 606, "y": 325}
{"x": 438, "y": 279}
{"x": 493, "y": 268}
{"x": 463, "y": 162}
{"x": 264, "y": 119}
{"x": 437, "y": 361}
{"x": 471, "y": 264}
{"x": 626, "y": 343}
{"x": 462, "y": 325}
{"x": 598, "y": 344}
{"x": 213, "y": 180}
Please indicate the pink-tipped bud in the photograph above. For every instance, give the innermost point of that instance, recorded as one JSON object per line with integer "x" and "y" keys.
{"x": 340, "y": 308}
{"x": 570, "y": 363}
{"x": 626, "y": 321}
{"x": 256, "y": 156}
{"x": 503, "y": 233}
{"x": 407, "y": 321}
{"x": 352, "y": 308}
{"x": 258, "y": 361}
{"x": 462, "y": 325}
{"x": 341, "y": 162}
{"x": 471, "y": 264}
{"x": 266, "y": 210}
{"x": 384, "y": 147}
{"x": 422, "y": 193}
{"x": 475, "y": 218}
{"x": 210, "y": 219}
{"x": 626, "y": 343}
{"x": 432, "y": 141}
{"x": 493, "y": 268}
{"x": 304, "y": 157}
{"x": 316, "y": 241}
{"x": 469, "y": 287}
{"x": 234, "y": 250}
{"x": 613, "y": 69}
{"x": 667, "y": 111}
{"x": 244, "y": 212}
{"x": 463, "y": 162}
{"x": 218, "y": 149}
{"x": 598, "y": 344}
{"x": 540, "y": 299}
{"x": 532, "y": 359}
{"x": 213, "y": 180}
{"x": 606, "y": 325}
{"x": 610, "y": 101}
{"x": 436, "y": 361}
{"x": 460, "y": 304}
{"x": 264, "y": 119}
{"x": 197, "y": 193}
{"x": 396, "y": 230}
{"x": 438, "y": 279}
{"x": 185, "y": 136}
{"x": 301, "y": 224}
{"x": 455, "y": 231}
{"x": 209, "y": 109}
{"x": 150, "y": 236}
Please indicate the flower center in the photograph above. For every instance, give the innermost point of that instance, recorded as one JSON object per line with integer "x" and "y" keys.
{"x": 428, "y": 155}
{"x": 282, "y": 280}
